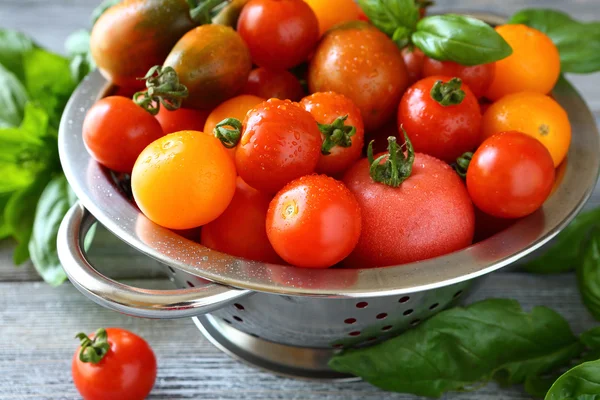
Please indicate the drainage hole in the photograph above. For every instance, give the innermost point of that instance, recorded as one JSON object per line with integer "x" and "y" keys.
{"x": 227, "y": 321}
{"x": 404, "y": 299}
{"x": 381, "y": 316}
{"x": 386, "y": 328}
{"x": 434, "y": 306}
{"x": 254, "y": 335}
{"x": 239, "y": 306}
{"x": 238, "y": 319}
{"x": 457, "y": 294}
{"x": 354, "y": 333}
{"x": 415, "y": 322}
{"x": 362, "y": 304}
{"x": 350, "y": 321}
{"x": 190, "y": 284}
{"x": 408, "y": 312}
{"x": 172, "y": 270}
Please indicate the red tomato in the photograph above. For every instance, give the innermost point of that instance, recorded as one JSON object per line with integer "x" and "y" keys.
{"x": 280, "y": 33}
{"x": 487, "y": 226}
{"x": 428, "y": 215}
{"x": 116, "y": 130}
{"x": 413, "y": 58}
{"x": 510, "y": 175}
{"x": 273, "y": 84}
{"x": 477, "y": 77}
{"x": 314, "y": 222}
{"x": 280, "y": 142}
{"x": 127, "y": 370}
{"x": 183, "y": 119}
{"x": 445, "y": 132}
{"x": 240, "y": 230}
{"x": 337, "y": 153}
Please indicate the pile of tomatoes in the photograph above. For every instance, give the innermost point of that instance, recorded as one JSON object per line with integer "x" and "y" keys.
{"x": 306, "y": 136}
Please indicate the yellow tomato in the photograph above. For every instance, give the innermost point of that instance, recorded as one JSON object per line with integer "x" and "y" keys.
{"x": 332, "y": 12}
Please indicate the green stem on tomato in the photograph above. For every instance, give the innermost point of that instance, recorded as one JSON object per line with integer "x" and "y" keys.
{"x": 229, "y": 132}
{"x": 449, "y": 93}
{"x": 93, "y": 350}
{"x": 201, "y": 10}
{"x": 394, "y": 167}
{"x": 336, "y": 134}
{"x": 162, "y": 88}
{"x": 462, "y": 164}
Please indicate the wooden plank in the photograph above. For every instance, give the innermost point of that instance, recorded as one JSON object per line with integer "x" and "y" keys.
{"x": 37, "y": 325}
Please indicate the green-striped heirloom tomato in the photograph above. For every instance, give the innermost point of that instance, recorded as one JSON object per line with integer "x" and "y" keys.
{"x": 213, "y": 62}
{"x": 134, "y": 35}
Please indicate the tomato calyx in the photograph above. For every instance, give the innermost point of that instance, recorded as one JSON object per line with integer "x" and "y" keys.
{"x": 162, "y": 88}
{"x": 393, "y": 167}
{"x": 201, "y": 10}
{"x": 449, "y": 93}
{"x": 336, "y": 134}
{"x": 229, "y": 132}
{"x": 462, "y": 164}
{"x": 93, "y": 350}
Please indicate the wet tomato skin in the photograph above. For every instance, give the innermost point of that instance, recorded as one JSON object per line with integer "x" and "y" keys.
{"x": 314, "y": 222}
{"x": 183, "y": 119}
{"x": 270, "y": 84}
{"x": 280, "y": 142}
{"x": 428, "y": 215}
{"x": 478, "y": 77}
{"x": 414, "y": 59}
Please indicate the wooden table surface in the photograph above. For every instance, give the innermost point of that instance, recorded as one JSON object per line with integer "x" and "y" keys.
{"x": 38, "y": 323}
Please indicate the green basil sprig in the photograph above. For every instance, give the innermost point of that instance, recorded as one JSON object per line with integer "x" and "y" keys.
{"x": 588, "y": 274}
{"x": 579, "y": 383}
{"x": 461, "y": 348}
{"x": 578, "y": 43}
{"x": 448, "y": 37}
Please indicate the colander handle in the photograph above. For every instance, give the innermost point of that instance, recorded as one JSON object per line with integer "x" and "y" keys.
{"x": 163, "y": 304}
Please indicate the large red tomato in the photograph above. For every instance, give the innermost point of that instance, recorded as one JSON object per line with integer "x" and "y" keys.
{"x": 240, "y": 230}
{"x": 428, "y": 215}
{"x": 273, "y": 84}
{"x": 441, "y": 116}
{"x": 183, "y": 119}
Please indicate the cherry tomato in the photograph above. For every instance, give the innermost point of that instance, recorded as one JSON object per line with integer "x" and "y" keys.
{"x": 183, "y": 180}
{"x": 240, "y": 231}
{"x": 510, "y": 175}
{"x": 533, "y": 66}
{"x": 536, "y": 115}
{"x": 183, "y": 119}
{"x": 314, "y": 222}
{"x": 414, "y": 59}
{"x": 428, "y": 215}
{"x": 124, "y": 370}
{"x": 116, "y": 130}
{"x": 329, "y": 110}
{"x": 133, "y": 36}
{"x": 359, "y": 61}
{"x": 280, "y": 142}
{"x": 236, "y": 107}
{"x": 273, "y": 84}
{"x": 279, "y": 33}
{"x": 477, "y": 77}
{"x": 442, "y": 131}
{"x": 213, "y": 62}
{"x": 333, "y": 12}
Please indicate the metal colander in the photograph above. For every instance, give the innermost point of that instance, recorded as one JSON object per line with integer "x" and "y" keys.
{"x": 290, "y": 320}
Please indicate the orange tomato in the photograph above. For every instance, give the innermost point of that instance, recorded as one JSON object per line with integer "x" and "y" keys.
{"x": 183, "y": 180}
{"x": 533, "y": 66}
{"x": 536, "y": 115}
{"x": 332, "y": 12}
{"x": 236, "y": 107}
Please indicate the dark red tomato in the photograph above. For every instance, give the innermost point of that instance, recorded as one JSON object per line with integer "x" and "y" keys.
{"x": 477, "y": 77}
{"x": 240, "y": 231}
{"x": 511, "y": 175}
{"x": 280, "y": 142}
{"x": 314, "y": 222}
{"x": 190, "y": 234}
{"x": 442, "y": 131}
{"x": 428, "y": 215}
{"x": 126, "y": 371}
{"x": 379, "y": 136}
{"x": 329, "y": 109}
{"x": 183, "y": 119}
{"x": 270, "y": 84}
{"x": 413, "y": 58}
{"x": 359, "y": 61}
{"x": 116, "y": 130}
{"x": 280, "y": 33}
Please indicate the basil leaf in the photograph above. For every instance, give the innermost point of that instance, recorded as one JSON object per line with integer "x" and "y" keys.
{"x": 19, "y": 214}
{"x": 538, "y": 386}
{"x": 4, "y": 227}
{"x": 55, "y": 201}
{"x": 591, "y": 338}
{"x": 391, "y": 15}
{"x": 563, "y": 256}
{"x": 577, "y": 55}
{"x": 13, "y": 45}
{"x": 78, "y": 50}
{"x": 48, "y": 80}
{"x": 12, "y": 99}
{"x": 458, "y": 38}
{"x": 588, "y": 274}
{"x": 461, "y": 347}
{"x": 101, "y": 9}
{"x": 579, "y": 383}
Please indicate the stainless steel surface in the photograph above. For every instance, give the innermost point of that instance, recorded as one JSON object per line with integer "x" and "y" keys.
{"x": 204, "y": 297}
{"x": 99, "y": 194}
